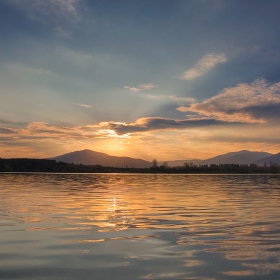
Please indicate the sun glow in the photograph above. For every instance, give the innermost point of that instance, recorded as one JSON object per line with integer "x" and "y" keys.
{"x": 110, "y": 133}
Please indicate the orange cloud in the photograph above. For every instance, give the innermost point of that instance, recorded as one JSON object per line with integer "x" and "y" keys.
{"x": 257, "y": 102}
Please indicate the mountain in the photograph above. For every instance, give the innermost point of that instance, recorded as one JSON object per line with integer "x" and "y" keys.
{"x": 89, "y": 157}
{"x": 240, "y": 157}
{"x": 268, "y": 160}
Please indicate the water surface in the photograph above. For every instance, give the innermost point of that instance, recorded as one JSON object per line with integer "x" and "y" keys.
{"x": 139, "y": 226}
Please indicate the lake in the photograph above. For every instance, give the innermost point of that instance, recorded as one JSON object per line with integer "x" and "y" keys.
{"x": 139, "y": 226}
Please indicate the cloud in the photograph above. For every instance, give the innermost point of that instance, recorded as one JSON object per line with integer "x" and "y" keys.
{"x": 141, "y": 87}
{"x": 158, "y": 123}
{"x": 83, "y": 105}
{"x": 56, "y": 13}
{"x": 255, "y": 102}
{"x": 4, "y": 130}
{"x": 182, "y": 99}
{"x": 48, "y": 7}
{"x": 40, "y": 131}
{"x": 177, "y": 99}
{"x": 205, "y": 64}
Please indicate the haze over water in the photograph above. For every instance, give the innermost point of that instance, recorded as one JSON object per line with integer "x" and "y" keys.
{"x": 128, "y": 226}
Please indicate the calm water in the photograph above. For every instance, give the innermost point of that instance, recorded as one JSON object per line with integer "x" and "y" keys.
{"x": 115, "y": 226}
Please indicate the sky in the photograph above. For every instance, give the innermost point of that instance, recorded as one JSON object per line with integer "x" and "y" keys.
{"x": 150, "y": 79}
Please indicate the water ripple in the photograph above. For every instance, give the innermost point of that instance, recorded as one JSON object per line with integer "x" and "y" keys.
{"x": 139, "y": 226}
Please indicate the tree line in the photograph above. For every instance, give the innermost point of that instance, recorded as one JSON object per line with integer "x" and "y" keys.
{"x": 45, "y": 165}
{"x": 189, "y": 167}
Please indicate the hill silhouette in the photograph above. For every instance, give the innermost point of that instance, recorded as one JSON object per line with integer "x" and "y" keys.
{"x": 89, "y": 157}
{"x": 272, "y": 159}
{"x": 240, "y": 157}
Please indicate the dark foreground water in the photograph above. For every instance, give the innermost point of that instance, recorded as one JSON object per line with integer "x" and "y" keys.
{"x": 116, "y": 226}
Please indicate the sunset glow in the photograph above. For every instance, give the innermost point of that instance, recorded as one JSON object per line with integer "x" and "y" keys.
{"x": 146, "y": 79}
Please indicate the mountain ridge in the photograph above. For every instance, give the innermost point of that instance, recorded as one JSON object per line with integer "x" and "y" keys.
{"x": 239, "y": 157}
{"x": 89, "y": 157}
{"x": 269, "y": 160}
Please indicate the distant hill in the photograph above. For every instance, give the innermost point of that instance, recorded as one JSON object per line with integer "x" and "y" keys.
{"x": 89, "y": 157}
{"x": 269, "y": 159}
{"x": 240, "y": 157}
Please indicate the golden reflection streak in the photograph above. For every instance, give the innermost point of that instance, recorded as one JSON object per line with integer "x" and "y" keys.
{"x": 202, "y": 213}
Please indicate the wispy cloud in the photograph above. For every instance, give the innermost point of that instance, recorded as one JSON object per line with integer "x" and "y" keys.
{"x": 205, "y": 64}
{"x": 40, "y": 131}
{"x": 52, "y": 12}
{"x": 255, "y": 102}
{"x": 141, "y": 87}
{"x": 182, "y": 99}
{"x": 9, "y": 131}
{"x": 178, "y": 99}
{"x": 83, "y": 105}
{"x": 48, "y": 7}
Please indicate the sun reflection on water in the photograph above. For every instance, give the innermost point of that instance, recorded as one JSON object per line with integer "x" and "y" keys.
{"x": 167, "y": 226}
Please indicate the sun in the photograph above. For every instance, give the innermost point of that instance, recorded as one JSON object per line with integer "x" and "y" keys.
{"x": 110, "y": 133}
